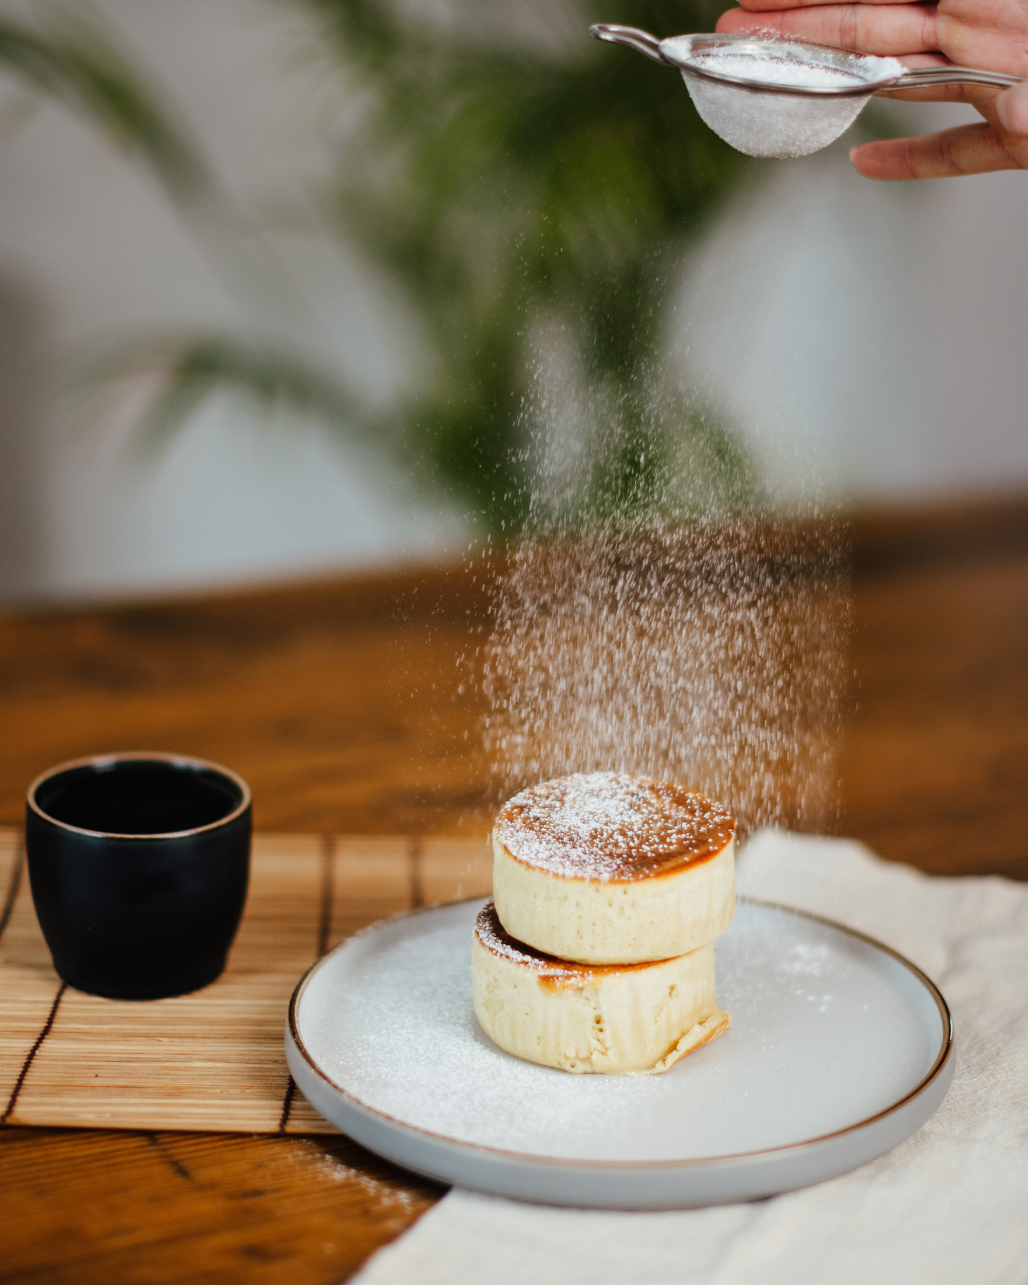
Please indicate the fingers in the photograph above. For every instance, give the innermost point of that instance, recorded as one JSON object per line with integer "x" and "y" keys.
{"x": 978, "y": 96}
{"x": 969, "y": 149}
{"x": 1012, "y": 109}
{"x": 888, "y": 29}
{"x": 909, "y": 31}
{"x": 807, "y": 4}
{"x": 930, "y": 94}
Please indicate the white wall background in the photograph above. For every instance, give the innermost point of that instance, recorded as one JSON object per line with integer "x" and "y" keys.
{"x": 870, "y": 338}
{"x": 866, "y": 338}
{"x": 90, "y": 251}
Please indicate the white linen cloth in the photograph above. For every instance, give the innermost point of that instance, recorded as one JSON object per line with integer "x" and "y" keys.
{"x": 948, "y": 1205}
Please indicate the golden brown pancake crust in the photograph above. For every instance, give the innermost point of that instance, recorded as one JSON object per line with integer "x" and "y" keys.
{"x": 549, "y": 970}
{"x": 612, "y": 827}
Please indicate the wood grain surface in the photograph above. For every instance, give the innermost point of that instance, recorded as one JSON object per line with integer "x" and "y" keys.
{"x": 353, "y": 707}
{"x": 214, "y": 1059}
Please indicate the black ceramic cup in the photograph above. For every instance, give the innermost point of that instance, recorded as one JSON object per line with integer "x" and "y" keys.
{"x": 139, "y": 865}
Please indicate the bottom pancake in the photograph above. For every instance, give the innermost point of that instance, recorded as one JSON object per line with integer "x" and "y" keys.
{"x": 629, "y": 1019}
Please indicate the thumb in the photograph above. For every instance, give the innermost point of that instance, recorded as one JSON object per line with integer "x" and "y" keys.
{"x": 1012, "y": 109}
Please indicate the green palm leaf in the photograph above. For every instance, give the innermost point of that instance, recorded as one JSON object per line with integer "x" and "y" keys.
{"x": 498, "y": 186}
{"x": 82, "y": 66}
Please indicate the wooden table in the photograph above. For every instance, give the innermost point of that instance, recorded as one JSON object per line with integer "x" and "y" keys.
{"x": 346, "y": 706}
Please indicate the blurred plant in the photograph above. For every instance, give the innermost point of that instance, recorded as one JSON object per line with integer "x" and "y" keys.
{"x": 75, "y": 62}
{"x": 504, "y": 186}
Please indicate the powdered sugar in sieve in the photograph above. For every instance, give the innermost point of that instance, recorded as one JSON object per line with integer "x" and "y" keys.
{"x": 782, "y": 98}
{"x": 742, "y": 92}
{"x": 775, "y": 71}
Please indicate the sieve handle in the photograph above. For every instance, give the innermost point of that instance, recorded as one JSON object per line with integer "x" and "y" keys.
{"x": 641, "y": 41}
{"x": 921, "y": 76}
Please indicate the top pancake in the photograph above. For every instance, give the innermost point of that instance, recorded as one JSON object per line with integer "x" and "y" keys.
{"x": 611, "y": 827}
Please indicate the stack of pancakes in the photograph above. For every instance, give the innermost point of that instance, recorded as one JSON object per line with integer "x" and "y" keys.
{"x": 596, "y": 952}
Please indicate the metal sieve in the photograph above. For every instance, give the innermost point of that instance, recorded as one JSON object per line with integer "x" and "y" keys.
{"x": 757, "y": 100}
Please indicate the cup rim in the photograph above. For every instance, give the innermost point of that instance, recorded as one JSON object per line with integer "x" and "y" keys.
{"x": 128, "y": 756}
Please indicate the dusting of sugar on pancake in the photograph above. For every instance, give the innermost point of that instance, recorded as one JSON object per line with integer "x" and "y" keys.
{"x": 611, "y": 827}
{"x": 552, "y": 971}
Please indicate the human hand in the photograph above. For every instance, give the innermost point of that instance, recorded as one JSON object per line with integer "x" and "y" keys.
{"x": 988, "y": 34}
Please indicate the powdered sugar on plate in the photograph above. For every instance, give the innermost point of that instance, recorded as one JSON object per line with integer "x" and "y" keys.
{"x": 611, "y": 826}
{"x": 388, "y": 1018}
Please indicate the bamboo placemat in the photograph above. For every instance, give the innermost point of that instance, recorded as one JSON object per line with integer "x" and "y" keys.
{"x": 213, "y": 1060}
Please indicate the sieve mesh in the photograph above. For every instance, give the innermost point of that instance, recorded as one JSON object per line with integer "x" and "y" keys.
{"x": 774, "y": 97}
{"x": 779, "y": 125}
{"x": 769, "y": 96}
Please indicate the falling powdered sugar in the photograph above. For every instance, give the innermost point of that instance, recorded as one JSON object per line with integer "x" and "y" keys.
{"x": 680, "y": 627}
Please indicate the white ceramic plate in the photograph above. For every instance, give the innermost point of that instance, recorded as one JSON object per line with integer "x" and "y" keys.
{"x": 839, "y": 1049}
